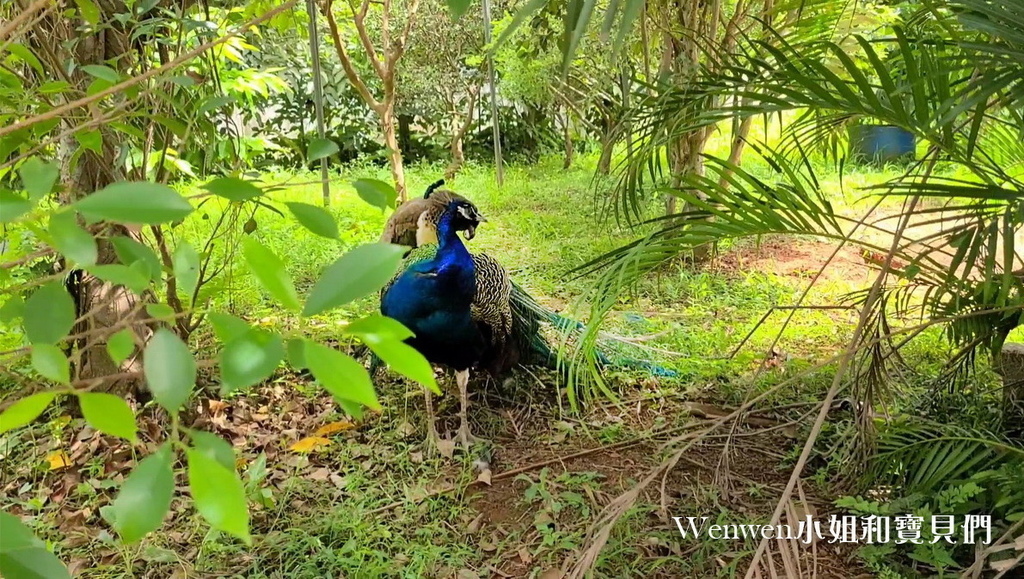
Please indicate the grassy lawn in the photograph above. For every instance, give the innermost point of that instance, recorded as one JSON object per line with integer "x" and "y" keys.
{"x": 369, "y": 503}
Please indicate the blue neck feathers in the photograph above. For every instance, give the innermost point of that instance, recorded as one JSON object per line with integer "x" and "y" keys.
{"x": 451, "y": 253}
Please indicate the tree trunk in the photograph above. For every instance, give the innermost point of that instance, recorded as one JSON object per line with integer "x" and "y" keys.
{"x": 740, "y": 130}
{"x": 459, "y": 130}
{"x": 387, "y": 122}
{"x": 458, "y": 159}
{"x": 604, "y": 162}
{"x": 570, "y": 150}
{"x": 405, "y": 133}
{"x": 100, "y": 305}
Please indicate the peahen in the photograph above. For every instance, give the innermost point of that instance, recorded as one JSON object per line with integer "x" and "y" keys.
{"x": 402, "y": 225}
{"x": 458, "y": 307}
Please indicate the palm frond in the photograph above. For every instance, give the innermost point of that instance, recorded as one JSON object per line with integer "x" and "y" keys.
{"x": 925, "y": 457}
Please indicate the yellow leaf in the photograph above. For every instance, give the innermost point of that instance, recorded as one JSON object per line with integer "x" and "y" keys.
{"x": 62, "y": 421}
{"x": 58, "y": 459}
{"x": 333, "y": 427}
{"x": 309, "y": 444}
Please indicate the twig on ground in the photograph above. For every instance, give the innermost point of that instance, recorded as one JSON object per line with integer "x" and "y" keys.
{"x": 541, "y": 464}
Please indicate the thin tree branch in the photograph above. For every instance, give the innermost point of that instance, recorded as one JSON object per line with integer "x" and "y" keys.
{"x": 346, "y": 62}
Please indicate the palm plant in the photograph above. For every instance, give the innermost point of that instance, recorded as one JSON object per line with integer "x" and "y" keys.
{"x": 962, "y": 99}
{"x": 952, "y": 74}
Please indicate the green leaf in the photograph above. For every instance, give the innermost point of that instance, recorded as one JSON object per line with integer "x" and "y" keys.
{"x": 297, "y": 353}
{"x": 108, "y": 413}
{"x": 353, "y": 409}
{"x": 21, "y": 51}
{"x": 23, "y": 556}
{"x": 215, "y": 102}
{"x": 92, "y": 140}
{"x": 51, "y": 363}
{"x": 90, "y": 13}
{"x": 270, "y": 272}
{"x": 458, "y": 8}
{"x": 133, "y": 277}
{"x": 358, "y": 273}
{"x": 249, "y": 359}
{"x": 102, "y": 72}
{"x": 130, "y": 251}
{"x": 145, "y": 496}
{"x": 218, "y": 494}
{"x": 186, "y": 262}
{"x": 135, "y": 202}
{"x": 162, "y": 312}
{"x": 13, "y": 206}
{"x": 121, "y": 345}
{"x": 315, "y": 219}
{"x": 341, "y": 375}
{"x": 24, "y": 411}
{"x": 75, "y": 243}
{"x": 320, "y": 148}
{"x": 38, "y": 177}
{"x": 226, "y": 326}
{"x": 49, "y": 314}
{"x": 233, "y": 189}
{"x": 405, "y": 360}
{"x": 214, "y": 447}
{"x": 170, "y": 369}
{"x": 12, "y": 309}
{"x": 378, "y": 327}
{"x": 376, "y": 193}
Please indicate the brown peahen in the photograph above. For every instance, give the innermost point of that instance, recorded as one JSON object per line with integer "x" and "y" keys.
{"x": 402, "y": 225}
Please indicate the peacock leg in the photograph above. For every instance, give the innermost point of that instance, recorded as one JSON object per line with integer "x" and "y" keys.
{"x": 432, "y": 436}
{"x": 467, "y": 439}
{"x": 434, "y": 443}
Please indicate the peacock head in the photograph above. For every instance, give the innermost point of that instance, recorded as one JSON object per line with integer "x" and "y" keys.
{"x": 464, "y": 216}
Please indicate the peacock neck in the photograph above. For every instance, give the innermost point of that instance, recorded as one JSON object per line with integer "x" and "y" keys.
{"x": 450, "y": 249}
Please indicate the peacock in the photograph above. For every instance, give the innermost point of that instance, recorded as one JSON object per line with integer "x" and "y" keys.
{"x": 414, "y": 223}
{"x": 458, "y": 306}
{"x": 464, "y": 310}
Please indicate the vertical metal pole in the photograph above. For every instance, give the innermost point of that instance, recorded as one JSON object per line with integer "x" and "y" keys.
{"x": 498, "y": 168}
{"x": 318, "y": 94}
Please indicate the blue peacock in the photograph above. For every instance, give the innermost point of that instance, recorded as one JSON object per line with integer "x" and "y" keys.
{"x": 463, "y": 309}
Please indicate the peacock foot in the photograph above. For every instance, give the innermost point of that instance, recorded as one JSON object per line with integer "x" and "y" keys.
{"x": 466, "y": 438}
{"x": 434, "y": 445}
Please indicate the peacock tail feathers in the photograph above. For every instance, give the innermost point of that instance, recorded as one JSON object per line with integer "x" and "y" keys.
{"x": 569, "y": 335}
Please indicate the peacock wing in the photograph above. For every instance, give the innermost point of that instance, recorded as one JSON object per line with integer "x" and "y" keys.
{"x": 492, "y": 305}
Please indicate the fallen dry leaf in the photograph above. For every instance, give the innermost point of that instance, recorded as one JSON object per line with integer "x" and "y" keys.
{"x": 217, "y": 406}
{"x": 320, "y": 474}
{"x": 475, "y": 524}
{"x": 333, "y": 427}
{"x": 484, "y": 476}
{"x": 309, "y": 444}
{"x": 58, "y": 459}
{"x": 446, "y": 447}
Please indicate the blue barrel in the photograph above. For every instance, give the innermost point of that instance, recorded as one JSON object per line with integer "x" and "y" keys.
{"x": 881, "y": 143}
